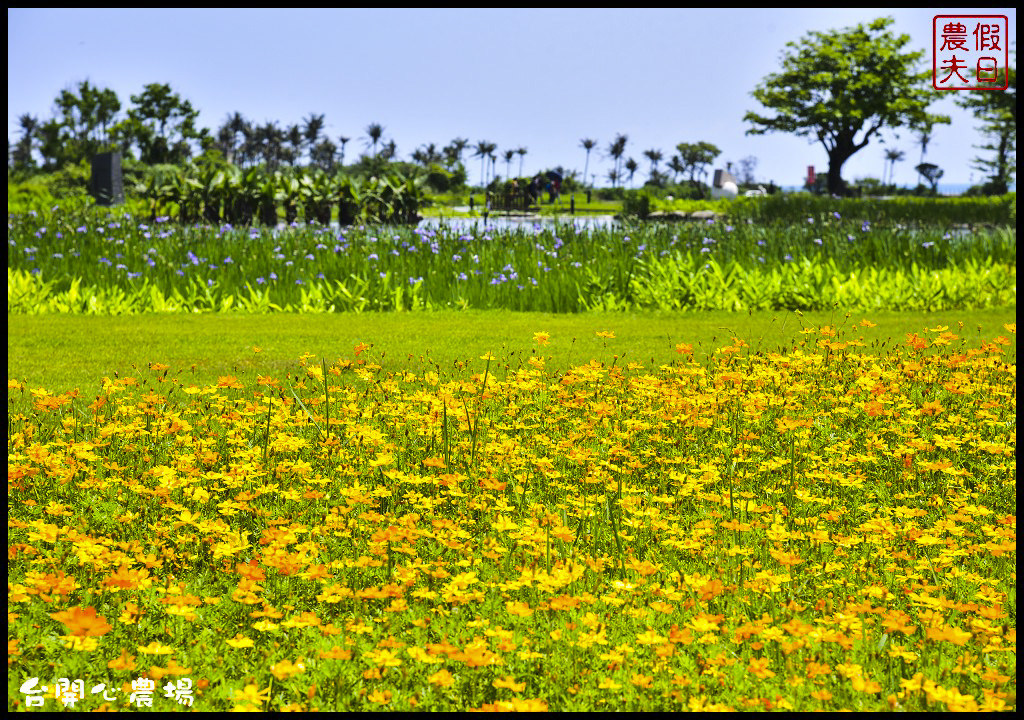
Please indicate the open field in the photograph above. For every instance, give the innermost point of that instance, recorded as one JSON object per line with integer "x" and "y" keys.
{"x": 387, "y": 469}
{"x": 64, "y": 352}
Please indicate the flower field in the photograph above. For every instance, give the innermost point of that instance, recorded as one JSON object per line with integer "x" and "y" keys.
{"x": 82, "y": 261}
{"x": 822, "y": 527}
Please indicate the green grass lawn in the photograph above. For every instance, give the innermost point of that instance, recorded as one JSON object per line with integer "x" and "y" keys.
{"x": 64, "y": 352}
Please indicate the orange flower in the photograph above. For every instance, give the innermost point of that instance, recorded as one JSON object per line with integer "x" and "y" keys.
{"x": 83, "y": 622}
{"x": 758, "y": 667}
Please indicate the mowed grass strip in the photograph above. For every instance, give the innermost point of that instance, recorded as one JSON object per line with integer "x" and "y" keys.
{"x": 65, "y": 352}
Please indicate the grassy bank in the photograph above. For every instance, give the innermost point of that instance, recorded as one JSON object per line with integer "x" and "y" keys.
{"x": 62, "y": 352}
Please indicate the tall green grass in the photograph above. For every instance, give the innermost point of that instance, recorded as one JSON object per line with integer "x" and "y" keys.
{"x": 918, "y": 211}
{"x": 84, "y": 262}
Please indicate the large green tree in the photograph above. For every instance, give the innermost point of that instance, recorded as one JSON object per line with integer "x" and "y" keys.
{"x": 997, "y": 111}
{"x": 79, "y": 128}
{"x": 842, "y": 88}
{"x": 693, "y": 157}
{"x": 162, "y": 125}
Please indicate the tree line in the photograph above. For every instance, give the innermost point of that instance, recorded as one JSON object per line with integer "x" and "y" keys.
{"x": 839, "y": 88}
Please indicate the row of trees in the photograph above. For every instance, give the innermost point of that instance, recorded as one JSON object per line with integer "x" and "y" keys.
{"x": 692, "y": 159}
{"x": 839, "y": 88}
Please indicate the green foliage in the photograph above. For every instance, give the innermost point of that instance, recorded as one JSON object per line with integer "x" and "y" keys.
{"x": 834, "y": 85}
{"x": 797, "y": 208}
{"x": 636, "y": 203}
{"x": 997, "y": 110}
{"x": 83, "y": 261}
{"x": 161, "y": 124}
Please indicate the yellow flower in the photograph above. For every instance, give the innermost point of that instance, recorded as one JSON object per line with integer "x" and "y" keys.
{"x": 520, "y": 609}
{"x": 541, "y": 338}
{"x": 442, "y": 678}
{"x": 252, "y": 695}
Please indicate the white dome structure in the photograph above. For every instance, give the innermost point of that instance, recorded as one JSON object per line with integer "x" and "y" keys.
{"x": 728, "y": 190}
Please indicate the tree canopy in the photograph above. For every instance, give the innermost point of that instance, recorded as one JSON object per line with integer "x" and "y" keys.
{"x": 834, "y": 85}
{"x": 997, "y": 110}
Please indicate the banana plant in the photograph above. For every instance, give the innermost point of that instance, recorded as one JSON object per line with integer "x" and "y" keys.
{"x": 212, "y": 188}
{"x": 190, "y": 196}
{"x": 292, "y": 194}
{"x": 408, "y": 199}
{"x": 160, "y": 189}
{"x": 350, "y": 198}
{"x": 268, "y": 196}
{"x": 320, "y": 192}
{"x": 243, "y": 195}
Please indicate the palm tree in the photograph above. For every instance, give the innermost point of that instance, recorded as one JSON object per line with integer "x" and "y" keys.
{"x": 484, "y": 150}
{"x": 388, "y": 151}
{"x": 374, "y": 131}
{"x": 655, "y": 157}
{"x": 342, "y": 139}
{"x": 521, "y": 151}
{"x": 453, "y": 151}
{"x": 322, "y": 155}
{"x": 227, "y": 137}
{"x": 23, "y": 150}
{"x": 631, "y": 168}
{"x": 311, "y": 129}
{"x": 226, "y": 143}
{"x": 426, "y": 155}
{"x": 297, "y": 141}
{"x": 613, "y": 175}
{"x": 588, "y": 145}
{"x": 617, "y": 149}
{"x": 269, "y": 139}
{"x": 924, "y": 136}
{"x": 494, "y": 159}
{"x": 676, "y": 166}
{"x": 508, "y": 163}
{"x": 893, "y": 156}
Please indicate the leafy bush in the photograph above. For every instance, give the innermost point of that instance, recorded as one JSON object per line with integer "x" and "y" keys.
{"x": 796, "y": 208}
{"x": 636, "y": 203}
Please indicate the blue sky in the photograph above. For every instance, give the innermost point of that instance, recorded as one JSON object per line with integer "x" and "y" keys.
{"x": 541, "y": 79}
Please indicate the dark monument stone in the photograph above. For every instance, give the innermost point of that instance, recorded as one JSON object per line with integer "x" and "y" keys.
{"x": 722, "y": 177}
{"x": 107, "y": 184}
